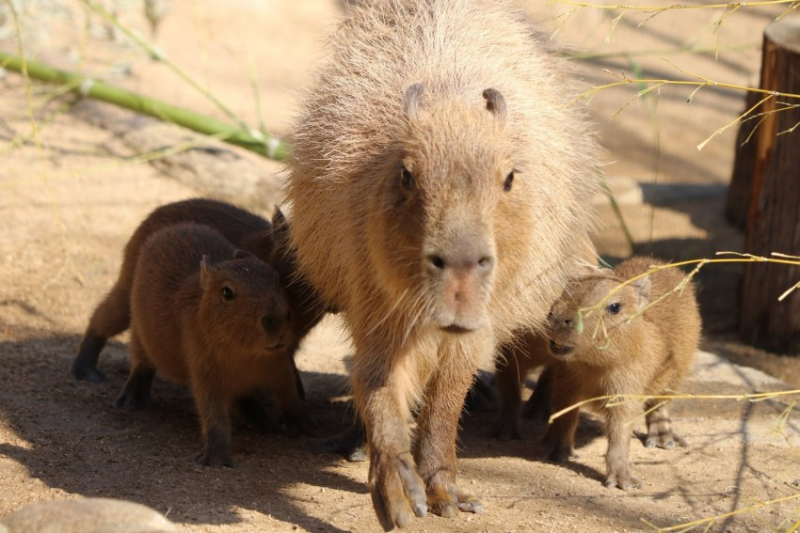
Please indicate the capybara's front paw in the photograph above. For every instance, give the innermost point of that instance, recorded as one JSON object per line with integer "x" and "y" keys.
{"x": 445, "y": 500}
{"x": 396, "y": 488}
{"x": 623, "y": 479}
{"x": 215, "y": 458}
{"x": 662, "y": 438}
{"x": 560, "y": 453}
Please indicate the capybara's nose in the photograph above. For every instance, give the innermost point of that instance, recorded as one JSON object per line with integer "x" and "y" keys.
{"x": 465, "y": 259}
{"x": 273, "y": 322}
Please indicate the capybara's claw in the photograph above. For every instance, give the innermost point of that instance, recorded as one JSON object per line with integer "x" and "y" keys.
{"x": 397, "y": 490}
{"x": 623, "y": 480}
{"x": 446, "y": 500}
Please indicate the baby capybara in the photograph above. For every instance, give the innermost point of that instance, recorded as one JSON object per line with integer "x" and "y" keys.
{"x": 246, "y": 230}
{"x": 438, "y": 182}
{"x": 624, "y": 345}
{"x": 214, "y": 318}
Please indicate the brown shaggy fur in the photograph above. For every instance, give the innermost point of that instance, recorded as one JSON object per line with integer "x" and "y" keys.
{"x": 244, "y": 229}
{"x": 438, "y": 183}
{"x": 644, "y": 355}
{"x": 212, "y": 317}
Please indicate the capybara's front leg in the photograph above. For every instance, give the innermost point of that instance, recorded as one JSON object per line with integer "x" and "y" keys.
{"x": 437, "y": 426}
{"x": 618, "y": 430}
{"x": 397, "y": 491}
{"x": 214, "y": 412}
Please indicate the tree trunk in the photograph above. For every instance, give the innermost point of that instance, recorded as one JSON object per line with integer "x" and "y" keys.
{"x": 773, "y": 213}
{"x": 741, "y": 187}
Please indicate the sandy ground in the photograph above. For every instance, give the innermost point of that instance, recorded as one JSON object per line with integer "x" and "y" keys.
{"x": 71, "y": 193}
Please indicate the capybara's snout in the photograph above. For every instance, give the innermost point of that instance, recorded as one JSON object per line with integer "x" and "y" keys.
{"x": 276, "y": 321}
{"x": 461, "y": 269}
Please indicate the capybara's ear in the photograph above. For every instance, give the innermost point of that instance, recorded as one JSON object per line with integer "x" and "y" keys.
{"x": 280, "y": 227}
{"x": 205, "y": 273}
{"x": 495, "y": 103}
{"x": 642, "y": 287}
{"x": 241, "y": 254}
{"x": 411, "y": 101}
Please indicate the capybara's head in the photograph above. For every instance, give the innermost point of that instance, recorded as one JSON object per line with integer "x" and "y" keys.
{"x": 243, "y": 304}
{"x": 594, "y": 312}
{"x": 444, "y": 222}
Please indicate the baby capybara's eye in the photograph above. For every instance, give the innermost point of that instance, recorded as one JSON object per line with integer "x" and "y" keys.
{"x": 406, "y": 179}
{"x": 228, "y": 294}
{"x": 509, "y": 181}
{"x": 614, "y": 308}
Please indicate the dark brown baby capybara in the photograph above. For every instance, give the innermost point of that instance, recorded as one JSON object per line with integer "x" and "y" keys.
{"x": 438, "y": 182}
{"x": 214, "y": 318}
{"x": 244, "y": 229}
{"x": 624, "y": 346}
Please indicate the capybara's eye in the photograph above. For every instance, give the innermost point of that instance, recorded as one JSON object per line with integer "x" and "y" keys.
{"x": 614, "y": 308}
{"x": 228, "y": 294}
{"x": 509, "y": 181}
{"x": 406, "y": 179}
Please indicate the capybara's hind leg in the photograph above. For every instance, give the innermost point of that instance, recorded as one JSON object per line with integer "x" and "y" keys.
{"x": 538, "y": 405}
{"x": 508, "y": 378}
{"x": 659, "y": 428}
{"x": 136, "y": 392}
{"x": 252, "y": 410}
{"x": 349, "y": 443}
{"x": 112, "y": 316}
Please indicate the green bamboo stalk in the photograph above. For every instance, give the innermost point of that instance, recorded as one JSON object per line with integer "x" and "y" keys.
{"x": 269, "y": 146}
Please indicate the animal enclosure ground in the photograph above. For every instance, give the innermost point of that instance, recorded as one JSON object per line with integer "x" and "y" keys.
{"x": 71, "y": 193}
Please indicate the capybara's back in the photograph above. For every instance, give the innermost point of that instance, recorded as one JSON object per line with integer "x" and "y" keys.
{"x": 439, "y": 180}
{"x": 112, "y": 315}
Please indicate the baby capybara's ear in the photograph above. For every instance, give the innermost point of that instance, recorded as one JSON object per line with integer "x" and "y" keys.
{"x": 241, "y": 254}
{"x": 205, "y": 272}
{"x": 642, "y": 288}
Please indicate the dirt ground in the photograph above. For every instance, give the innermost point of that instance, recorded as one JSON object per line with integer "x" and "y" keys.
{"x": 72, "y": 190}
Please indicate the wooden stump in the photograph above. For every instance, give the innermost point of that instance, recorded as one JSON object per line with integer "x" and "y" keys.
{"x": 773, "y": 199}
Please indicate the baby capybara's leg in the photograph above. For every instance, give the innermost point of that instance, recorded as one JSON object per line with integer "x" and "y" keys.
{"x": 136, "y": 392}
{"x": 659, "y": 428}
{"x": 618, "y": 430}
{"x": 214, "y": 412}
{"x": 112, "y": 316}
{"x": 283, "y": 386}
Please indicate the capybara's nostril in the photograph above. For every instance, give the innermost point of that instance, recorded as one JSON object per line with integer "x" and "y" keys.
{"x": 271, "y": 323}
{"x": 567, "y": 322}
{"x": 486, "y": 262}
{"x": 437, "y": 262}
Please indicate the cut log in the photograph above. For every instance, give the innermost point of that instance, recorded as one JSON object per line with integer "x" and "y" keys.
{"x": 773, "y": 207}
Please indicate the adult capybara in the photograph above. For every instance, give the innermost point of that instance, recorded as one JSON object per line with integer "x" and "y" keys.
{"x": 637, "y": 339}
{"x": 214, "y": 318}
{"x": 438, "y": 181}
{"x": 243, "y": 228}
